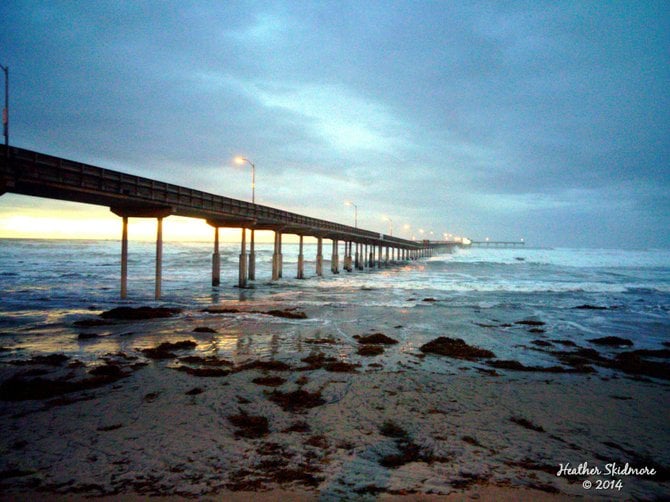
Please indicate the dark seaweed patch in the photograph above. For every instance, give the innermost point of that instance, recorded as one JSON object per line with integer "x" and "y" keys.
{"x": 611, "y": 341}
{"x": 139, "y": 313}
{"x": 370, "y": 350}
{"x": 298, "y": 400}
{"x": 527, "y": 424}
{"x": 456, "y": 348}
{"x": 270, "y": 381}
{"x": 249, "y": 426}
{"x": 164, "y": 350}
{"x": 377, "y": 339}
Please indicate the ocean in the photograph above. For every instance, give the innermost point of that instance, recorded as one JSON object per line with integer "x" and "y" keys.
{"x": 477, "y": 294}
{"x": 250, "y": 400}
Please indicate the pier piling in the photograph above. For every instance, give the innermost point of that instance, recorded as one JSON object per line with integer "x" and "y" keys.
{"x": 124, "y": 259}
{"x": 319, "y": 256}
{"x": 301, "y": 263}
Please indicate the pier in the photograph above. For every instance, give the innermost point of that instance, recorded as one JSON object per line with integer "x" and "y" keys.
{"x": 497, "y": 244}
{"x": 27, "y": 172}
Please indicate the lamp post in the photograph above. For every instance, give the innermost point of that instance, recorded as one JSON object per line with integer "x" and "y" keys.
{"x": 390, "y": 225}
{"x": 242, "y": 160}
{"x": 252, "y": 252}
{"x": 5, "y": 111}
{"x": 349, "y": 203}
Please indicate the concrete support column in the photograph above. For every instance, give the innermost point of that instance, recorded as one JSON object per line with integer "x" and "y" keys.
{"x": 252, "y": 257}
{"x": 159, "y": 257}
{"x": 281, "y": 258}
{"x": 301, "y": 262}
{"x": 386, "y": 257}
{"x": 371, "y": 257}
{"x": 379, "y": 256}
{"x": 346, "y": 265}
{"x": 124, "y": 259}
{"x": 242, "y": 277}
{"x": 334, "y": 261}
{"x": 319, "y": 256}
{"x": 216, "y": 260}
{"x": 275, "y": 258}
{"x": 356, "y": 260}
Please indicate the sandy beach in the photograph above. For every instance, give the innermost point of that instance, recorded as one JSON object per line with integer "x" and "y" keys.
{"x": 251, "y": 398}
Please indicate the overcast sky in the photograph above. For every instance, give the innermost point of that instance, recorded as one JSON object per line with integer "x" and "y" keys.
{"x": 548, "y": 121}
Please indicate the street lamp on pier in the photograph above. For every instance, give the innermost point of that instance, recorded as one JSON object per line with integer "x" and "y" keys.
{"x": 242, "y": 160}
{"x": 386, "y": 218}
{"x": 349, "y": 203}
{"x": 252, "y": 253}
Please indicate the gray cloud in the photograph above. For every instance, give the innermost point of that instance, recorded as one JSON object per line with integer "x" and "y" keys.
{"x": 531, "y": 118}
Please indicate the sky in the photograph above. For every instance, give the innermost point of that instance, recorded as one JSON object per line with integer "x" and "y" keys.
{"x": 542, "y": 121}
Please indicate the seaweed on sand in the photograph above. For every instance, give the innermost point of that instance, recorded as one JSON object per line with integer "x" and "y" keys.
{"x": 269, "y": 381}
{"x": 456, "y": 348}
{"x": 298, "y": 400}
{"x": 164, "y": 350}
{"x": 377, "y": 339}
{"x": 527, "y": 424}
{"x": 139, "y": 313}
{"x": 249, "y": 426}
{"x": 370, "y": 350}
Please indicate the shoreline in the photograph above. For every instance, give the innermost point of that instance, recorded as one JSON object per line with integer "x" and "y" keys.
{"x": 168, "y": 422}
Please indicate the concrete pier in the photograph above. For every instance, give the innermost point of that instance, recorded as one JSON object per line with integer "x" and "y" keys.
{"x": 252, "y": 257}
{"x": 281, "y": 257}
{"x": 301, "y": 261}
{"x": 347, "y": 256}
{"x": 124, "y": 259}
{"x": 242, "y": 277}
{"x": 216, "y": 260}
{"x": 276, "y": 260}
{"x": 335, "y": 259}
{"x": 159, "y": 258}
{"x": 147, "y": 212}
{"x": 36, "y": 174}
{"x": 319, "y": 256}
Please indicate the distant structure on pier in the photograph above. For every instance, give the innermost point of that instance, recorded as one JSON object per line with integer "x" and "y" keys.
{"x": 498, "y": 244}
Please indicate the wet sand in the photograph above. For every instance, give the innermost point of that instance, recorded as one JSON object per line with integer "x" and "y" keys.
{"x": 288, "y": 409}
